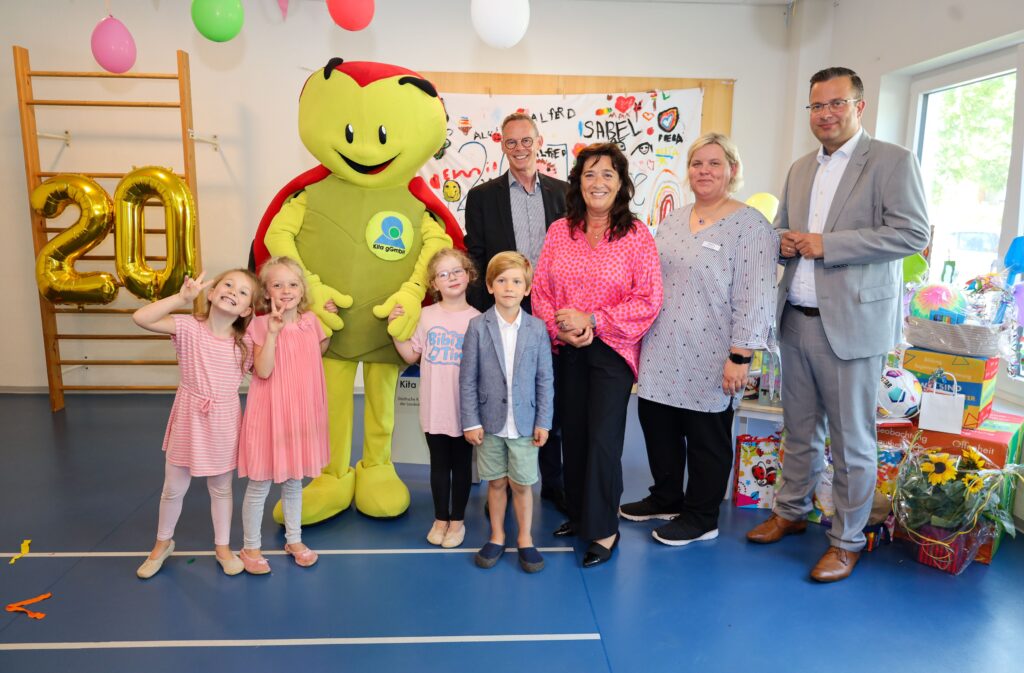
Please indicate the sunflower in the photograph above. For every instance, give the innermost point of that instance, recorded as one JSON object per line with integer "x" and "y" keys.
{"x": 939, "y": 467}
{"x": 973, "y": 459}
{"x": 973, "y": 482}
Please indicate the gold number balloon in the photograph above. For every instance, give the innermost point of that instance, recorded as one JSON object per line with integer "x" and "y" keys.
{"x": 55, "y": 266}
{"x": 139, "y": 186}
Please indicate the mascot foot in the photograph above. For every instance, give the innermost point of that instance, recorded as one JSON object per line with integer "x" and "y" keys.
{"x": 379, "y": 491}
{"x": 324, "y": 497}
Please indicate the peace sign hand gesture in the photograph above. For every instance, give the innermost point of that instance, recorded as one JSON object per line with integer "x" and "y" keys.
{"x": 192, "y": 288}
{"x": 276, "y": 320}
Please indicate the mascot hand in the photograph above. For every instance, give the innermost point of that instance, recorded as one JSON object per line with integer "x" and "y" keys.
{"x": 319, "y": 295}
{"x": 410, "y": 297}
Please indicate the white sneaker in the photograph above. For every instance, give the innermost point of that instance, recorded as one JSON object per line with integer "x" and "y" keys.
{"x": 453, "y": 538}
{"x": 437, "y": 532}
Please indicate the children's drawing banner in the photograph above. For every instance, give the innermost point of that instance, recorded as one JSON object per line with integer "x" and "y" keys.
{"x": 653, "y": 128}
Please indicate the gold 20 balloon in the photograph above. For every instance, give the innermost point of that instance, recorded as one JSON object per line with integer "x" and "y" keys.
{"x": 130, "y": 197}
{"x": 55, "y": 273}
{"x": 55, "y": 266}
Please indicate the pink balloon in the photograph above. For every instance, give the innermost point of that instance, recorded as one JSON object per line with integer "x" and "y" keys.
{"x": 113, "y": 46}
{"x": 351, "y": 14}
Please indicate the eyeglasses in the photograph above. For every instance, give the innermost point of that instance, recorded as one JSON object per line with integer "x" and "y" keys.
{"x": 833, "y": 106}
{"x": 454, "y": 273}
{"x": 512, "y": 143}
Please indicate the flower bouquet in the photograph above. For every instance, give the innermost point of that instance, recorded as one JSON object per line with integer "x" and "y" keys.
{"x": 950, "y": 504}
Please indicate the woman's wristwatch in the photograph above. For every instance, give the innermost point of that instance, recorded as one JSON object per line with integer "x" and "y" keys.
{"x": 738, "y": 359}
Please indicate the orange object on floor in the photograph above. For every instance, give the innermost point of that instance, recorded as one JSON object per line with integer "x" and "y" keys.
{"x": 20, "y": 606}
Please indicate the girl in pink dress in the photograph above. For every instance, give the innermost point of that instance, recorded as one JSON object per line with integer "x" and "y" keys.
{"x": 214, "y": 355}
{"x": 284, "y": 432}
{"x": 437, "y": 346}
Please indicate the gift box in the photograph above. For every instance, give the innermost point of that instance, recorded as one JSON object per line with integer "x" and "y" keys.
{"x": 975, "y": 376}
{"x": 757, "y": 466}
{"x": 998, "y": 438}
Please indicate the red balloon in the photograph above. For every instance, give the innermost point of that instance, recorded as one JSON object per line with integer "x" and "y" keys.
{"x": 351, "y": 14}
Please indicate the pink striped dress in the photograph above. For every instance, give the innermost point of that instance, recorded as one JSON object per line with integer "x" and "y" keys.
{"x": 284, "y": 433}
{"x": 202, "y": 432}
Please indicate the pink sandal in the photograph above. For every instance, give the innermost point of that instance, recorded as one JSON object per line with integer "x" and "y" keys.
{"x": 254, "y": 566}
{"x": 304, "y": 558}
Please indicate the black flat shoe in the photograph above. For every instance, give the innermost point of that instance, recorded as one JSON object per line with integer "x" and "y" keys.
{"x": 598, "y": 554}
{"x": 565, "y": 530}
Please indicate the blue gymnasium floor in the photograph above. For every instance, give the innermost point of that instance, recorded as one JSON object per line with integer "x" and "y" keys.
{"x": 86, "y": 482}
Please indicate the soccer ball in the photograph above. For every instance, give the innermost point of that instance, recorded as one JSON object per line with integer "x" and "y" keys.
{"x": 899, "y": 394}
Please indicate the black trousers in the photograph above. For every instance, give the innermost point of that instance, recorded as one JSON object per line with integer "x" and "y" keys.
{"x": 451, "y": 474}
{"x": 675, "y": 437}
{"x": 595, "y": 386}
{"x": 550, "y": 455}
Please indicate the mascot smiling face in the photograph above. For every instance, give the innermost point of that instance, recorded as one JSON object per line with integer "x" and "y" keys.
{"x": 371, "y": 124}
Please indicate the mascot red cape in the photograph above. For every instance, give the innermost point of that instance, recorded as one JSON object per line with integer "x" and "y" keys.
{"x": 363, "y": 227}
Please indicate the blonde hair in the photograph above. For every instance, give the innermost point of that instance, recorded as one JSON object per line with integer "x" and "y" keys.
{"x": 459, "y": 256}
{"x": 504, "y": 261}
{"x": 241, "y": 323}
{"x": 732, "y": 155}
{"x": 294, "y": 267}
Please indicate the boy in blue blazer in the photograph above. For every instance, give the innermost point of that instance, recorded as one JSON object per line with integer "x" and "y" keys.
{"x": 507, "y": 392}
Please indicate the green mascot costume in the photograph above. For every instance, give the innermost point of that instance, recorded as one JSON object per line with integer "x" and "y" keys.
{"x": 363, "y": 227}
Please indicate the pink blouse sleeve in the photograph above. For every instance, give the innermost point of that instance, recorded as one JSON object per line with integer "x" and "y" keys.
{"x": 629, "y": 320}
{"x": 257, "y": 331}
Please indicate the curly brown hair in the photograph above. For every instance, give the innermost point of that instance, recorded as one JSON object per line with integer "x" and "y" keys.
{"x": 621, "y": 217}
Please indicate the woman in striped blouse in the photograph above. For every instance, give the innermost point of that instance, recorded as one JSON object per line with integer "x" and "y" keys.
{"x": 718, "y": 260}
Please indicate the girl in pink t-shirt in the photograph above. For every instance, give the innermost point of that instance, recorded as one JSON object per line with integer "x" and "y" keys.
{"x": 214, "y": 354}
{"x": 437, "y": 346}
{"x": 284, "y": 432}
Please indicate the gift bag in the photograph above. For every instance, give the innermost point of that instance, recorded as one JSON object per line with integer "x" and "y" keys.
{"x": 757, "y": 468}
{"x": 942, "y": 410}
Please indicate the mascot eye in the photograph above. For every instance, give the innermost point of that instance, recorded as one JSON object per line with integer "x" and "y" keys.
{"x": 349, "y": 133}
{"x": 382, "y": 133}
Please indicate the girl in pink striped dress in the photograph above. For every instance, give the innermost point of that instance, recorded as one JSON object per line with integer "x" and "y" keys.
{"x": 284, "y": 432}
{"x": 214, "y": 354}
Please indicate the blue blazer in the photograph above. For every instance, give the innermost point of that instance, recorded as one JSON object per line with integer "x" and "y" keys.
{"x": 483, "y": 385}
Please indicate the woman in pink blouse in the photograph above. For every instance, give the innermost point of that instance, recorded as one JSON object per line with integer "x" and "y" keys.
{"x": 598, "y": 290}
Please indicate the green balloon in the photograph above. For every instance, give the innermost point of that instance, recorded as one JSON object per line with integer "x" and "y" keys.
{"x": 915, "y": 268}
{"x": 218, "y": 20}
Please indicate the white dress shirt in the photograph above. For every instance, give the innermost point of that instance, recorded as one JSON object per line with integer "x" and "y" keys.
{"x": 509, "y": 332}
{"x": 830, "y": 171}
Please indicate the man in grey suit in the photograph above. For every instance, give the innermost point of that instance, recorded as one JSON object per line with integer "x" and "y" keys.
{"x": 849, "y": 213}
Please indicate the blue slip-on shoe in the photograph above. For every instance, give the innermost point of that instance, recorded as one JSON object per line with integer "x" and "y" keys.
{"x": 530, "y": 560}
{"x": 489, "y": 555}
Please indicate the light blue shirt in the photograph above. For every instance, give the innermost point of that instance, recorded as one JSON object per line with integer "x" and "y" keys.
{"x": 509, "y": 332}
{"x": 831, "y": 167}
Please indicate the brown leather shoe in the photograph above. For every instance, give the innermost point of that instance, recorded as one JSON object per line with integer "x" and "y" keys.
{"x": 774, "y": 529}
{"x": 835, "y": 565}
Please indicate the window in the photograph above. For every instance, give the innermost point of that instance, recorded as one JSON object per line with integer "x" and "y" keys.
{"x": 968, "y": 132}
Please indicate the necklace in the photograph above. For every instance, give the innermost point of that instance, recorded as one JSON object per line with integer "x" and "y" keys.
{"x": 701, "y": 220}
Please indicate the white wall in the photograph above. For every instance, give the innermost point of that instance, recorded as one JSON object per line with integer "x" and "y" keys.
{"x": 245, "y": 92}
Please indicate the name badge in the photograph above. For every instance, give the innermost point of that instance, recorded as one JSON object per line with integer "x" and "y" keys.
{"x": 711, "y": 246}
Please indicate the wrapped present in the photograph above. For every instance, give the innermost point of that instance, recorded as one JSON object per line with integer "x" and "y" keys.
{"x": 975, "y": 376}
{"x": 757, "y": 466}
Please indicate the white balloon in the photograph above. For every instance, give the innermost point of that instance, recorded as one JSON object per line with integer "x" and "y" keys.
{"x": 500, "y": 23}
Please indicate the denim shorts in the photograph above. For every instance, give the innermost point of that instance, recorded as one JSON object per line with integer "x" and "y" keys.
{"x": 501, "y": 457}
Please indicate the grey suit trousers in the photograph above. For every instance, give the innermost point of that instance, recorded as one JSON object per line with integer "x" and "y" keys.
{"x": 819, "y": 388}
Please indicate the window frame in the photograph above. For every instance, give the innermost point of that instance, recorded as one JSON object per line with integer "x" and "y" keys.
{"x": 966, "y": 72}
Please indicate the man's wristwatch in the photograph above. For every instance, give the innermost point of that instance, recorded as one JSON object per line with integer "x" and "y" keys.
{"x": 738, "y": 359}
